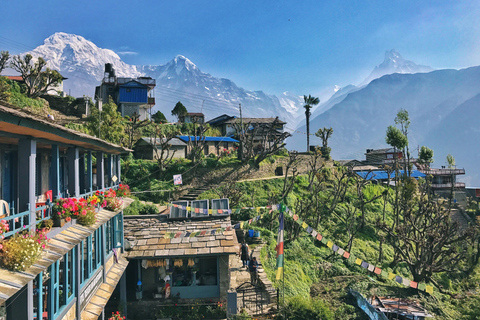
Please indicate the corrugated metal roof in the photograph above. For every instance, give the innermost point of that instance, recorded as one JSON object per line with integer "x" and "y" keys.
{"x": 216, "y": 139}
{"x": 382, "y": 175}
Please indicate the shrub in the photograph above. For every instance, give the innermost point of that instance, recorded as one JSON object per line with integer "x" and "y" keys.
{"x": 22, "y": 250}
{"x": 4, "y": 227}
{"x": 306, "y": 308}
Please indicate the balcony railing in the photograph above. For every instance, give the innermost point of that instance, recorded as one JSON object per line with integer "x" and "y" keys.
{"x": 145, "y": 81}
{"x": 17, "y": 222}
{"x": 448, "y": 185}
{"x": 43, "y": 211}
{"x": 439, "y": 172}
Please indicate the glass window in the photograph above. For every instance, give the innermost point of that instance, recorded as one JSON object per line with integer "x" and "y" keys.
{"x": 118, "y": 221}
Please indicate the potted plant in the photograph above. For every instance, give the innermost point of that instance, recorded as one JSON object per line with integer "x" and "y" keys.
{"x": 116, "y": 316}
{"x": 22, "y": 250}
{"x": 45, "y": 225}
{"x": 123, "y": 190}
{"x": 64, "y": 209}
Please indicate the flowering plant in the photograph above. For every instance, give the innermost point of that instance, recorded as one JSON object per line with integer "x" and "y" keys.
{"x": 87, "y": 215}
{"x": 123, "y": 190}
{"x": 4, "y": 227}
{"x": 116, "y": 316}
{"x": 65, "y": 207}
{"x": 113, "y": 202}
{"x": 22, "y": 250}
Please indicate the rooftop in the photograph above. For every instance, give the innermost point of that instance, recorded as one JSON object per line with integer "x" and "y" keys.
{"x": 157, "y": 141}
{"x": 216, "y": 139}
{"x": 152, "y": 237}
{"x": 255, "y": 120}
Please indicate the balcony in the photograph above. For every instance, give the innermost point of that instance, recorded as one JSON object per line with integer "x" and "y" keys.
{"x": 458, "y": 185}
{"x": 443, "y": 172}
{"x": 143, "y": 80}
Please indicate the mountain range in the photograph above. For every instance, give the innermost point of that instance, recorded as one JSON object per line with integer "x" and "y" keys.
{"x": 442, "y": 104}
{"x": 82, "y": 62}
{"x": 443, "y": 109}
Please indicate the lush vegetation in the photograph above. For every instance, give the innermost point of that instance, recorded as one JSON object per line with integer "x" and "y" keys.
{"x": 317, "y": 281}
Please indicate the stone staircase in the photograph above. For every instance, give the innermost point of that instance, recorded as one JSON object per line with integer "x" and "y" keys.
{"x": 195, "y": 192}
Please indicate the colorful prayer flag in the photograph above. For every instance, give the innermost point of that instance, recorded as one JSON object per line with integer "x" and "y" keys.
{"x": 340, "y": 251}
{"x": 422, "y": 286}
{"x": 371, "y": 267}
{"x": 295, "y": 217}
{"x": 314, "y": 233}
{"x": 279, "y": 248}
{"x": 304, "y": 225}
{"x": 413, "y": 284}
{"x": 429, "y": 289}
{"x": 406, "y": 282}
{"x": 319, "y": 237}
{"x": 364, "y": 265}
{"x": 330, "y": 244}
{"x": 391, "y": 276}
{"x": 358, "y": 261}
{"x": 346, "y": 255}
{"x": 377, "y": 270}
{"x": 398, "y": 279}
{"x": 335, "y": 248}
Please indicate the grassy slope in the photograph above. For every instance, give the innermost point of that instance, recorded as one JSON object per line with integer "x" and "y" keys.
{"x": 312, "y": 272}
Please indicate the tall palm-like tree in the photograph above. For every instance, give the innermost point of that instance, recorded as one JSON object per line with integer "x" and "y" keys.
{"x": 309, "y": 103}
{"x": 325, "y": 134}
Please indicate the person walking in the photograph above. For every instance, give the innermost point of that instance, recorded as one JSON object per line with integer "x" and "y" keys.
{"x": 244, "y": 254}
{"x": 252, "y": 266}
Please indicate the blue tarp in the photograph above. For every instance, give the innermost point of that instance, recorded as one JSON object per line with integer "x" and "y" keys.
{"x": 383, "y": 175}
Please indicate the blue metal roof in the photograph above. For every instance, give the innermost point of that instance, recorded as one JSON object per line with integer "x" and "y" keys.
{"x": 382, "y": 175}
{"x": 216, "y": 139}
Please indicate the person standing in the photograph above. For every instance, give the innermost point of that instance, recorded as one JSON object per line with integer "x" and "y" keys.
{"x": 244, "y": 253}
{"x": 252, "y": 266}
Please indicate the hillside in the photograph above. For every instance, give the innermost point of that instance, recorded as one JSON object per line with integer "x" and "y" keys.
{"x": 360, "y": 120}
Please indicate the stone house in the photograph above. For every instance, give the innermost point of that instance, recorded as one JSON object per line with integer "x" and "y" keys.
{"x": 164, "y": 253}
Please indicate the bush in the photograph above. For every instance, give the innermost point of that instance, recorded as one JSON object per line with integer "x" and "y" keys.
{"x": 138, "y": 208}
{"x": 306, "y": 308}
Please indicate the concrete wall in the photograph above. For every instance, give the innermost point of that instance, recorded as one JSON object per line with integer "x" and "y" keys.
{"x": 70, "y": 315}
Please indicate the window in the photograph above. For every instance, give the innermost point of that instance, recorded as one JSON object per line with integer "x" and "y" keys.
{"x": 194, "y": 272}
{"x": 58, "y": 284}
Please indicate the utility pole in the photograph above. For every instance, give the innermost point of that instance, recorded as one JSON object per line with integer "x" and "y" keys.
{"x": 240, "y": 148}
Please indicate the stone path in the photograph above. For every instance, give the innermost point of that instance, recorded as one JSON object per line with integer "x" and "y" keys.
{"x": 265, "y": 293}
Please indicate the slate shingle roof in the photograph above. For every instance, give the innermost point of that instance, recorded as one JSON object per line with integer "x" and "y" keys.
{"x": 147, "y": 234}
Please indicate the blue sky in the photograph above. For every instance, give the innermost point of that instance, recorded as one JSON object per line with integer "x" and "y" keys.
{"x": 275, "y": 46}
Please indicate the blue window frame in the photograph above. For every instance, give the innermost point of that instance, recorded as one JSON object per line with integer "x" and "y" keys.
{"x": 90, "y": 259}
{"x": 61, "y": 285}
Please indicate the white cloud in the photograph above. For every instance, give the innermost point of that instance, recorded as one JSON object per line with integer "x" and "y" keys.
{"x": 127, "y": 53}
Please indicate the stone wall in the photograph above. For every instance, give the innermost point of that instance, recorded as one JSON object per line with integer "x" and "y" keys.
{"x": 224, "y": 271}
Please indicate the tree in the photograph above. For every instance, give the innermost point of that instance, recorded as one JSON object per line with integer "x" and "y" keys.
{"x": 160, "y": 140}
{"x": 425, "y": 156}
{"x": 159, "y": 117}
{"x": 325, "y": 134}
{"x": 309, "y": 103}
{"x": 109, "y": 122}
{"x": 38, "y": 82}
{"x": 258, "y": 141}
{"x": 179, "y": 110}
{"x": 4, "y": 57}
{"x": 450, "y": 161}
{"x": 403, "y": 120}
{"x": 426, "y": 239}
{"x": 133, "y": 127}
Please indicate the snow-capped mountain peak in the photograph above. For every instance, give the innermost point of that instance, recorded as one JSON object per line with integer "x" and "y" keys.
{"x": 394, "y": 63}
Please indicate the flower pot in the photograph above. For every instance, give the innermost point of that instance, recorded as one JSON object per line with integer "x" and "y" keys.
{"x": 58, "y": 222}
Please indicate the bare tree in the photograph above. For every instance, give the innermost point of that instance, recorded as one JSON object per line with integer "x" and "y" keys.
{"x": 258, "y": 141}
{"x": 4, "y": 57}
{"x": 36, "y": 80}
{"x": 426, "y": 239}
{"x": 161, "y": 142}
